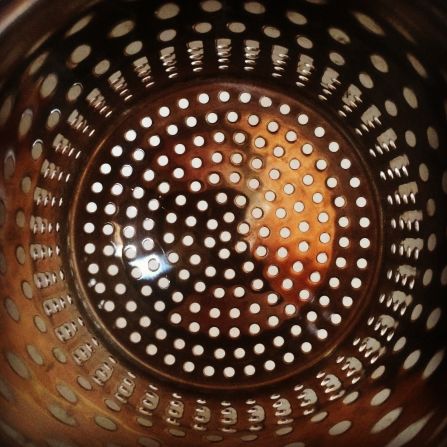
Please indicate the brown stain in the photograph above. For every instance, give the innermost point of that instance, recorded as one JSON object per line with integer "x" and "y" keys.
{"x": 233, "y": 158}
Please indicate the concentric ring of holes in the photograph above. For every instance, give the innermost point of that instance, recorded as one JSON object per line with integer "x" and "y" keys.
{"x": 414, "y": 138}
{"x": 226, "y": 234}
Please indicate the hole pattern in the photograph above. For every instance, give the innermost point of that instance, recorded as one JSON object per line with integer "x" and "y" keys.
{"x": 223, "y": 235}
{"x": 294, "y": 216}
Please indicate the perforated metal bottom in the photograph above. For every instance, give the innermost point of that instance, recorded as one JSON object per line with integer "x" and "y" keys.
{"x": 224, "y": 235}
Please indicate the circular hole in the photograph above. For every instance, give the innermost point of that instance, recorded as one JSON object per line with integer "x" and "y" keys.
{"x": 369, "y": 24}
{"x": 296, "y": 18}
{"x": 305, "y": 42}
{"x": 167, "y": 11}
{"x": 211, "y": 6}
{"x": 379, "y": 63}
{"x": 271, "y": 31}
{"x": 133, "y": 48}
{"x": 410, "y": 97}
{"x": 340, "y": 428}
{"x": 25, "y": 122}
{"x": 167, "y": 35}
{"x": 236, "y": 27}
{"x": 254, "y": 7}
{"x": 80, "y": 54}
{"x": 339, "y": 36}
{"x": 48, "y": 86}
{"x": 122, "y": 28}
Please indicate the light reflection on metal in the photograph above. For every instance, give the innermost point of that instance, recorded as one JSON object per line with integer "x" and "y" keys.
{"x": 152, "y": 266}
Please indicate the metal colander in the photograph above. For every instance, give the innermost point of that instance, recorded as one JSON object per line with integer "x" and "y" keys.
{"x": 223, "y": 222}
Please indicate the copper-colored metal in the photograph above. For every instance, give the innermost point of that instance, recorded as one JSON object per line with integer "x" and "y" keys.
{"x": 222, "y": 223}
{"x": 216, "y": 227}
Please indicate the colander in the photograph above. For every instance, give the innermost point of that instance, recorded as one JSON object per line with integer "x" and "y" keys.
{"x": 223, "y": 223}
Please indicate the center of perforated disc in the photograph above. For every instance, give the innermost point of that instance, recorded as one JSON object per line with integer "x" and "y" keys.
{"x": 223, "y": 235}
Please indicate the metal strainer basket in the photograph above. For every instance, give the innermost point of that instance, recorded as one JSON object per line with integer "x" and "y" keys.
{"x": 223, "y": 222}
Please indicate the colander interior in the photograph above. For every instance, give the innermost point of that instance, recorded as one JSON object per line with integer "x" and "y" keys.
{"x": 224, "y": 222}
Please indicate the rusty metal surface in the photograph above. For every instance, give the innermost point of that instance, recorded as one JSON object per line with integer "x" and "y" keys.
{"x": 222, "y": 223}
